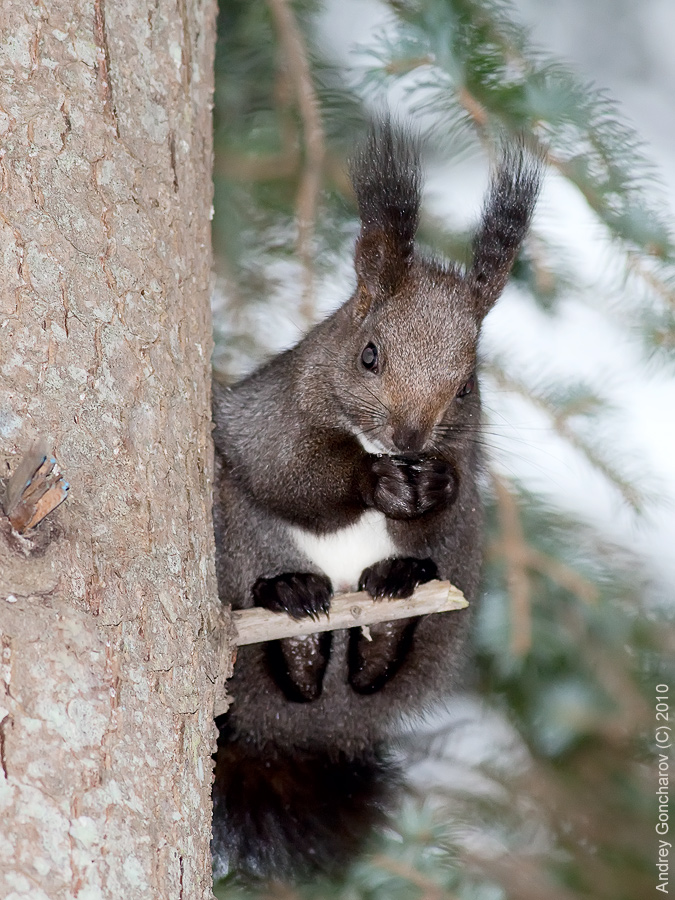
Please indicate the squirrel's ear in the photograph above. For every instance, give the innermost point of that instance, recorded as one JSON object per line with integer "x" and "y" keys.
{"x": 381, "y": 263}
{"x": 507, "y": 213}
{"x": 387, "y": 182}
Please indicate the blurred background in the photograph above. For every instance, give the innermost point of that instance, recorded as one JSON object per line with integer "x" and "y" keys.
{"x": 539, "y": 779}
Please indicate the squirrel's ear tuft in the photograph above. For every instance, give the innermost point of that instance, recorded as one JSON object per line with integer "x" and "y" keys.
{"x": 387, "y": 181}
{"x": 507, "y": 213}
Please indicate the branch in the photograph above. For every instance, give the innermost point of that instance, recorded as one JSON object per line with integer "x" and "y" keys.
{"x": 515, "y": 550}
{"x": 347, "y": 611}
{"x": 268, "y": 167}
{"x": 258, "y": 168}
{"x": 297, "y": 61}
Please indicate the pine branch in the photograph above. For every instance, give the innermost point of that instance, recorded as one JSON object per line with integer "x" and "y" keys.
{"x": 469, "y": 55}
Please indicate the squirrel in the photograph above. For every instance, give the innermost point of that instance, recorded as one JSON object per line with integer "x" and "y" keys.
{"x": 351, "y": 461}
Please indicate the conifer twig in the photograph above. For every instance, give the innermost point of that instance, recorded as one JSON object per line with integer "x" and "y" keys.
{"x": 564, "y": 576}
{"x": 481, "y": 115}
{"x": 561, "y": 426}
{"x": 347, "y": 611}
{"x": 431, "y": 890}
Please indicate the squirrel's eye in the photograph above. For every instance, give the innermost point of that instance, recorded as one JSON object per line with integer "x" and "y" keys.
{"x": 369, "y": 357}
{"x": 467, "y": 387}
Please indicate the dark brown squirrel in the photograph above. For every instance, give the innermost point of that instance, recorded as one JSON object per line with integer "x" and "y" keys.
{"x": 351, "y": 461}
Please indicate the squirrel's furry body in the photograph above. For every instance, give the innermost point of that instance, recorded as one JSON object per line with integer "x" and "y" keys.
{"x": 354, "y": 454}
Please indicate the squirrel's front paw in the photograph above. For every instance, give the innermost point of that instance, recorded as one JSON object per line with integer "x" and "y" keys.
{"x": 408, "y": 487}
{"x": 396, "y": 577}
{"x": 299, "y": 594}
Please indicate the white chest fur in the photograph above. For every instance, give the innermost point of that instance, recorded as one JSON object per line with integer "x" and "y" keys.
{"x": 344, "y": 554}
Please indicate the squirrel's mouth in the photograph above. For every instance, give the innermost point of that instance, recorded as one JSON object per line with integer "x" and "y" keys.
{"x": 372, "y": 444}
{"x": 368, "y": 435}
{"x": 385, "y": 440}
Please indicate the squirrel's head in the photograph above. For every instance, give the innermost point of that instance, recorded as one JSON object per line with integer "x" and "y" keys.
{"x": 408, "y": 355}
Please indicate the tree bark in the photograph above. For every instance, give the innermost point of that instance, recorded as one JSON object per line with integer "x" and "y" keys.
{"x": 110, "y": 628}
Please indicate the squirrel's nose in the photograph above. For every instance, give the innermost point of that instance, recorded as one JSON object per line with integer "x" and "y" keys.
{"x": 409, "y": 440}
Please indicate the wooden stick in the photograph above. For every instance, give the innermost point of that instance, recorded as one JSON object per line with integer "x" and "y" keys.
{"x": 346, "y": 611}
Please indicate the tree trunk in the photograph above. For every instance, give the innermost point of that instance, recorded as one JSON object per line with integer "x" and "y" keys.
{"x": 110, "y": 628}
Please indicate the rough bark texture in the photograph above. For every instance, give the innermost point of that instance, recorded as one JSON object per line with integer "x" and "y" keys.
{"x": 109, "y": 625}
